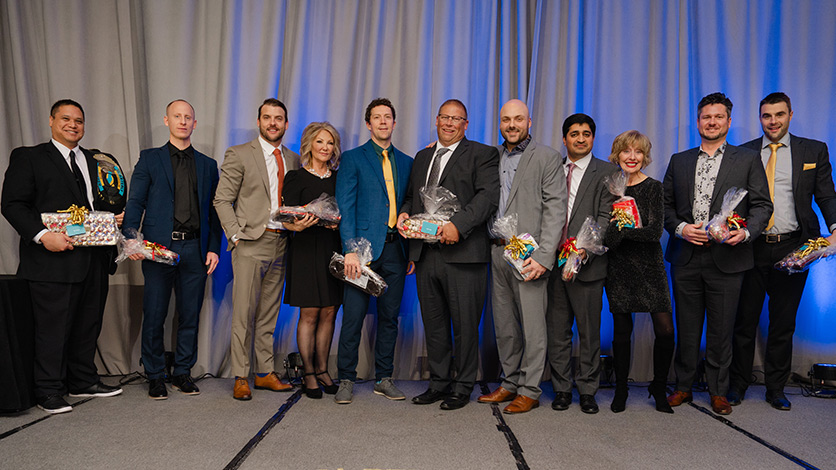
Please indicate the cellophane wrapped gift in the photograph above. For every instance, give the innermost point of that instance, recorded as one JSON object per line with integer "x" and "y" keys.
{"x": 720, "y": 226}
{"x": 324, "y": 208}
{"x": 439, "y": 205}
{"x": 520, "y": 245}
{"x": 625, "y": 212}
{"x": 801, "y": 258}
{"x": 99, "y": 227}
{"x": 589, "y": 238}
{"x": 133, "y": 243}
{"x": 369, "y": 281}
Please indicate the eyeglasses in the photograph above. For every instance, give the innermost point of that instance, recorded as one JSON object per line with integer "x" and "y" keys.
{"x": 454, "y": 119}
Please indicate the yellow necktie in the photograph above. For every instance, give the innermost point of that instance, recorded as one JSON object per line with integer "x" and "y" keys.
{"x": 390, "y": 189}
{"x": 770, "y": 178}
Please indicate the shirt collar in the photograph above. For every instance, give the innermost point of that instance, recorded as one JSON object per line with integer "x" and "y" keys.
{"x": 172, "y": 150}
{"x": 784, "y": 140}
{"x": 65, "y": 151}
{"x": 581, "y": 163}
{"x": 520, "y": 147}
{"x": 267, "y": 147}
{"x": 721, "y": 150}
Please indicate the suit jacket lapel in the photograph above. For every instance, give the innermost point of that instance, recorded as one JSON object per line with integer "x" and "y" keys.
{"x": 690, "y": 174}
{"x": 258, "y": 158}
{"x": 200, "y": 168}
{"x": 93, "y": 170}
{"x": 797, "y": 152}
{"x": 164, "y": 157}
{"x": 726, "y": 165}
{"x": 525, "y": 159}
{"x": 61, "y": 165}
{"x": 374, "y": 163}
{"x": 588, "y": 175}
{"x": 463, "y": 145}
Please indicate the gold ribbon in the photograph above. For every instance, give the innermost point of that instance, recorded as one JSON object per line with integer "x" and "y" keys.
{"x": 623, "y": 218}
{"x": 155, "y": 248}
{"x": 518, "y": 246}
{"x": 569, "y": 247}
{"x": 812, "y": 245}
{"x": 735, "y": 221}
{"x": 77, "y": 214}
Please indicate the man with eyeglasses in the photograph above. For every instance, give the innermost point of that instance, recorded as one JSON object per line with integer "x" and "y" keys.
{"x": 451, "y": 275}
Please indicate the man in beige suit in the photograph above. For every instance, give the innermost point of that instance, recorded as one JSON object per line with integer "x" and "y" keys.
{"x": 249, "y": 190}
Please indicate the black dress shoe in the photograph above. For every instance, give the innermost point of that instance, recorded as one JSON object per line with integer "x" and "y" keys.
{"x": 778, "y": 400}
{"x": 98, "y": 389}
{"x": 184, "y": 383}
{"x": 455, "y": 401}
{"x": 156, "y": 389}
{"x": 562, "y": 400}
{"x": 588, "y": 404}
{"x": 430, "y": 396}
{"x": 54, "y": 404}
{"x": 734, "y": 396}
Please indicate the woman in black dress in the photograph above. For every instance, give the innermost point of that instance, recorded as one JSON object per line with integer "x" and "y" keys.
{"x": 309, "y": 285}
{"x": 636, "y": 278}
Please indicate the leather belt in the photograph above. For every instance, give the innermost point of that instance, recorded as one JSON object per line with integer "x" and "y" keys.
{"x": 282, "y": 233}
{"x": 499, "y": 241}
{"x": 780, "y": 237}
{"x": 177, "y": 236}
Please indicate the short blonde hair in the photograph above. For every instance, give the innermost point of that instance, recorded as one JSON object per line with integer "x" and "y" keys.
{"x": 633, "y": 139}
{"x": 308, "y": 136}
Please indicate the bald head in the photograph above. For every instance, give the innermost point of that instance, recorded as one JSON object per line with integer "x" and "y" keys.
{"x": 514, "y": 122}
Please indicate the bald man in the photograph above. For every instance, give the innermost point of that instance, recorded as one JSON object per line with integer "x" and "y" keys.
{"x": 532, "y": 186}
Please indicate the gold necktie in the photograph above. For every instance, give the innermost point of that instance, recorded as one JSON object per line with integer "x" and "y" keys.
{"x": 770, "y": 178}
{"x": 390, "y": 189}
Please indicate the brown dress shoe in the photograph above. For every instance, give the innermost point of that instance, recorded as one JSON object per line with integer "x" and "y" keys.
{"x": 497, "y": 396}
{"x": 271, "y": 382}
{"x": 521, "y": 404}
{"x": 720, "y": 405}
{"x": 241, "y": 391}
{"x": 680, "y": 397}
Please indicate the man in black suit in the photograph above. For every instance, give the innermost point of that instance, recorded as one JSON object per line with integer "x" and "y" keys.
{"x": 68, "y": 284}
{"x": 451, "y": 275}
{"x": 579, "y": 301}
{"x": 707, "y": 275}
{"x": 797, "y": 169}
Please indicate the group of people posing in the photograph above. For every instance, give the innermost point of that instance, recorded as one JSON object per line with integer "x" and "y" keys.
{"x": 179, "y": 199}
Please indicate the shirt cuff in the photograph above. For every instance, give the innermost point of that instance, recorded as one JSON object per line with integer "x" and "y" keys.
{"x": 748, "y": 236}
{"x": 37, "y": 238}
{"x": 679, "y": 229}
{"x": 833, "y": 228}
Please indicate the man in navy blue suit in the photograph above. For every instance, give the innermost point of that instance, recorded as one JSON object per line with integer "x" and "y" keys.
{"x": 173, "y": 187}
{"x": 371, "y": 185}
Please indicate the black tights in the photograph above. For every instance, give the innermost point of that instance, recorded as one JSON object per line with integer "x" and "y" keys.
{"x": 623, "y": 326}
{"x": 663, "y": 345}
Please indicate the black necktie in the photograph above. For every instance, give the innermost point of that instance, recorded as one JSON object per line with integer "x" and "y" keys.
{"x": 182, "y": 196}
{"x": 79, "y": 180}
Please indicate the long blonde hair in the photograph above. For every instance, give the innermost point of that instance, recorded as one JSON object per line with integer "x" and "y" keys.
{"x": 308, "y": 136}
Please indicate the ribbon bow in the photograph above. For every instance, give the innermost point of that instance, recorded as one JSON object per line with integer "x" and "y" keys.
{"x": 735, "y": 221}
{"x": 569, "y": 247}
{"x": 155, "y": 248}
{"x": 519, "y": 248}
{"x": 623, "y": 218}
{"x": 812, "y": 245}
{"x": 77, "y": 214}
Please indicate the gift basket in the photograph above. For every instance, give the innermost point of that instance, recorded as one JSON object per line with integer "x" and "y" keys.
{"x": 800, "y": 259}
{"x": 324, "y": 208}
{"x": 133, "y": 243}
{"x": 590, "y": 238}
{"x": 369, "y": 281}
{"x": 519, "y": 246}
{"x": 86, "y": 228}
{"x": 625, "y": 212}
{"x": 440, "y": 204}
{"x": 720, "y": 226}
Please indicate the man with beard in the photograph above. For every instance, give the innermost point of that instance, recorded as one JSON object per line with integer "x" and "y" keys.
{"x": 707, "y": 275}
{"x": 249, "y": 191}
{"x": 579, "y": 300}
{"x": 532, "y": 186}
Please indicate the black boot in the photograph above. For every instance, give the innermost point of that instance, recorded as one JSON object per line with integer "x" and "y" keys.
{"x": 621, "y": 366}
{"x": 662, "y": 356}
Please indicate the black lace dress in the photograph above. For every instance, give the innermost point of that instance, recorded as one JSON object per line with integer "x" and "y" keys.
{"x": 636, "y": 278}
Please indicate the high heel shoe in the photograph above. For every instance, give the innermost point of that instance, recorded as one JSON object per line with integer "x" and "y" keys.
{"x": 329, "y": 389}
{"x": 315, "y": 393}
{"x": 658, "y": 392}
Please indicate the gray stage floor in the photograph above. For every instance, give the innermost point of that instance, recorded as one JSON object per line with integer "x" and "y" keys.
{"x": 213, "y": 431}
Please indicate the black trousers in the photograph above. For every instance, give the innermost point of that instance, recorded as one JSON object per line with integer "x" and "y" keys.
{"x": 68, "y": 320}
{"x": 784, "y": 291}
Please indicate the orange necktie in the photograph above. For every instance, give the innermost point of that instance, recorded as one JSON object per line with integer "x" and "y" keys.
{"x": 278, "y": 154}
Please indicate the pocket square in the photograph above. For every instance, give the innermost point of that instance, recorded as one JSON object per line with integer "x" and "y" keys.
{"x": 809, "y": 166}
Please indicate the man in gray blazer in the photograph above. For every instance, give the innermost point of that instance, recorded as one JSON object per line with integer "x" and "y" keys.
{"x": 580, "y": 300}
{"x": 707, "y": 275}
{"x": 249, "y": 190}
{"x": 532, "y": 186}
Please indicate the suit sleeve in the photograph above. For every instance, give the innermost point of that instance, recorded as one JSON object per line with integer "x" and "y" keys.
{"x": 554, "y": 211}
{"x": 138, "y": 194}
{"x": 824, "y": 191}
{"x": 346, "y": 195}
{"x": 672, "y": 220}
{"x": 19, "y": 196}
{"x": 215, "y": 231}
{"x": 229, "y": 185}
{"x": 486, "y": 196}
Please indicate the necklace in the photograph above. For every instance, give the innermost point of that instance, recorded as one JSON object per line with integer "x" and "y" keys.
{"x": 322, "y": 177}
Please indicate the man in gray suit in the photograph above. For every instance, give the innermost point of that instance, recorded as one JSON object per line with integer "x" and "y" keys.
{"x": 532, "y": 186}
{"x": 707, "y": 275}
{"x": 249, "y": 190}
{"x": 580, "y": 300}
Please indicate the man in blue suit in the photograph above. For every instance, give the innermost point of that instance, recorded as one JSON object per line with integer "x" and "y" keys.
{"x": 371, "y": 185}
{"x": 173, "y": 187}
